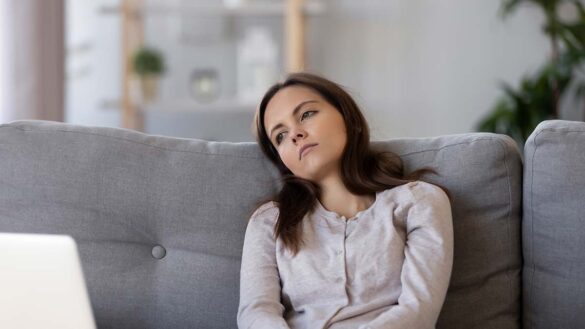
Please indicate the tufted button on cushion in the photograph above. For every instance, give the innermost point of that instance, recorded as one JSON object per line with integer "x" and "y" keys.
{"x": 158, "y": 252}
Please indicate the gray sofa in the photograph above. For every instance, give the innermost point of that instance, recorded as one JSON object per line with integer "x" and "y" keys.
{"x": 160, "y": 221}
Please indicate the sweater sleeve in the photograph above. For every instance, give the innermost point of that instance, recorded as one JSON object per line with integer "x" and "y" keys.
{"x": 260, "y": 306}
{"x": 428, "y": 262}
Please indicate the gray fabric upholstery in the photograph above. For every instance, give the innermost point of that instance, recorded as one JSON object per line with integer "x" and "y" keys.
{"x": 120, "y": 194}
{"x": 554, "y": 226}
{"x": 483, "y": 175}
{"x": 160, "y": 221}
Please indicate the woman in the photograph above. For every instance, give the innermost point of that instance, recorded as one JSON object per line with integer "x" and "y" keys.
{"x": 349, "y": 241}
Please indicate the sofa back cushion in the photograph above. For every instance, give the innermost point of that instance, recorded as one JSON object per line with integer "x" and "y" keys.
{"x": 554, "y": 226}
{"x": 483, "y": 174}
{"x": 160, "y": 221}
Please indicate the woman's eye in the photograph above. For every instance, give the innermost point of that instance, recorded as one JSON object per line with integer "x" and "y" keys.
{"x": 279, "y": 138}
{"x": 307, "y": 114}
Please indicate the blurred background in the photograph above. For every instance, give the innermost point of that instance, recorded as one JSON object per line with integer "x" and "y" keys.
{"x": 197, "y": 68}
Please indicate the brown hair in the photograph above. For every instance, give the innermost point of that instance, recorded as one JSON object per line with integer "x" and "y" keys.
{"x": 363, "y": 170}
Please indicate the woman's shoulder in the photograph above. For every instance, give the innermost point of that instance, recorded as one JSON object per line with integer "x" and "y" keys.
{"x": 262, "y": 223}
{"x": 267, "y": 212}
{"x": 270, "y": 205}
{"x": 417, "y": 190}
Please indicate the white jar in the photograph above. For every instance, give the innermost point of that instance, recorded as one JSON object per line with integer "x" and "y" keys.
{"x": 256, "y": 64}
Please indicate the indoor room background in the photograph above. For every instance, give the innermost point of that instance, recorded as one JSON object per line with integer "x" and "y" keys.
{"x": 417, "y": 68}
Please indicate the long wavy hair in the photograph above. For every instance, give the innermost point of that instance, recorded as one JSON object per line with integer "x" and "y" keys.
{"x": 363, "y": 170}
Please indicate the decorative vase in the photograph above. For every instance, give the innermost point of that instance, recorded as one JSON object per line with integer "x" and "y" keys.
{"x": 204, "y": 85}
{"x": 149, "y": 87}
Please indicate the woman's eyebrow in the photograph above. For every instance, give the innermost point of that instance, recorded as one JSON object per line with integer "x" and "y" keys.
{"x": 294, "y": 113}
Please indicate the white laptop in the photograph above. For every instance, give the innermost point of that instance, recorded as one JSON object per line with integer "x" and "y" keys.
{"x": 42, "y": 284}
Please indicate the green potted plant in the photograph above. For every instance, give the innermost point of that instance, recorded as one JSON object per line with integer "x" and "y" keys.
{"x": 538, "y": 96}
{"x": 148, "y": 64}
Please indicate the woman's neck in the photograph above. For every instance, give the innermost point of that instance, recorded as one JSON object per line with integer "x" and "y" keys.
{"x": 337, "y": 198}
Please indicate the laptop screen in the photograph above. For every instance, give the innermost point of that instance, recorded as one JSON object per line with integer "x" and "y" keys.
{"x": 42, "y": 283}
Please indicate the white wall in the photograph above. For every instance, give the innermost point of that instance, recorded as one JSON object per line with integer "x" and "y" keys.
{"x": 424, "y": 67}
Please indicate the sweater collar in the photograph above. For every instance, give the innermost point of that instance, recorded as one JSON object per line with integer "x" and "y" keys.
{"x": 320, "y": 210}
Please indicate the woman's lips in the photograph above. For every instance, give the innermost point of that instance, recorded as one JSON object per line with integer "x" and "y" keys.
{"x": 306, "y": 149}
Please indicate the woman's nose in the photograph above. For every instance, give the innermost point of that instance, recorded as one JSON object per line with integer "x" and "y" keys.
{"x": 298, "y": 136}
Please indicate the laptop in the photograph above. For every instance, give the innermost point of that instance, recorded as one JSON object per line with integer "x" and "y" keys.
{"x": 42, "y": 284}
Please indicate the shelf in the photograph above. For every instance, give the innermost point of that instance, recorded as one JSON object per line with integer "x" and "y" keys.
{"x": 133, "y": 14}
{"x": 187, "y": 105}
{"x": 248, "y": 9}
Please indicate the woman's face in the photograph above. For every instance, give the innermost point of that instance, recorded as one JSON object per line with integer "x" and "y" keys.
{"x": 308, "y": 132}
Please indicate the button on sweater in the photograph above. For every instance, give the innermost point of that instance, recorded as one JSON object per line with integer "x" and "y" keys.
{"x": 388, "y": 267}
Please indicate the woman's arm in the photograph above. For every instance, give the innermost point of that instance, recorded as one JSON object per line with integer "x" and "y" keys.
{"x": 260, "y": 306}
{"x": 427, "y": 265}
